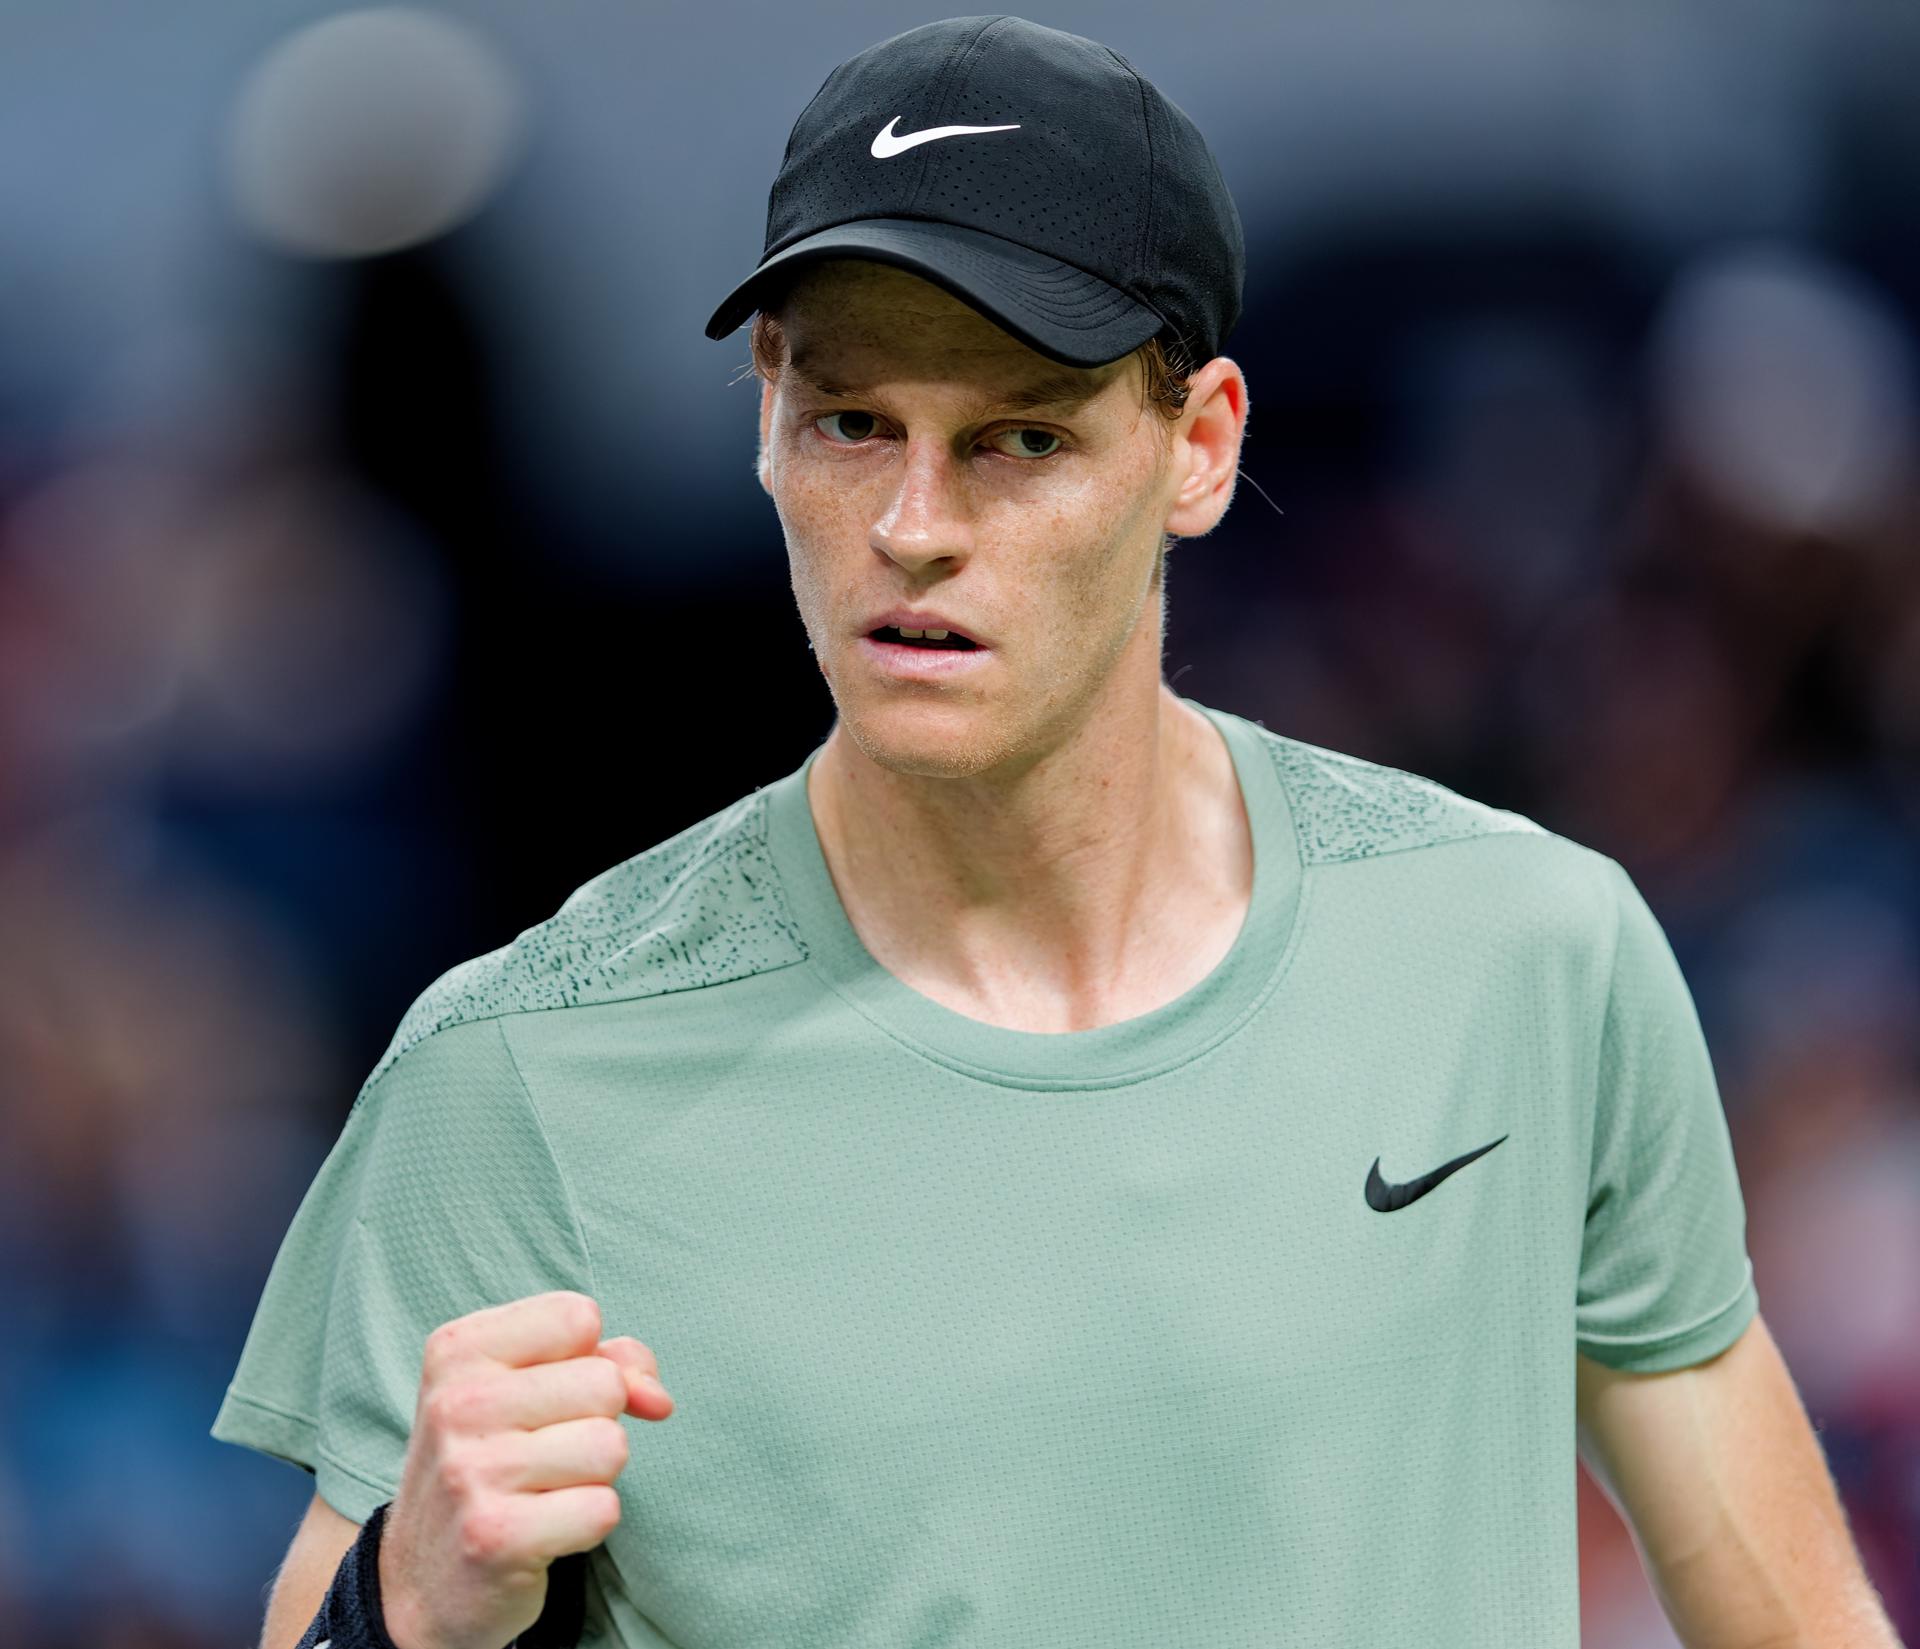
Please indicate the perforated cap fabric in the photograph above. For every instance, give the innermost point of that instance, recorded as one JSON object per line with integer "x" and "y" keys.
{"x": 1035, "y": 174}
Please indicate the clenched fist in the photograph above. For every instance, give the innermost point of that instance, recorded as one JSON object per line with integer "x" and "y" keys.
{"x": 516, "y": 1443}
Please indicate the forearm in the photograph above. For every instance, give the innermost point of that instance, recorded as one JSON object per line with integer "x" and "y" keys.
{"x": 1729, "y": 1596}
{"x": 1719, "y": 1474}
{"x": 1755, "y": 1552}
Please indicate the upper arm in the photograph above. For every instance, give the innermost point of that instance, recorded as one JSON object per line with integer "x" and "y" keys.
{"x": 307, "y": 1571}
{"x": 440, "y": 1197}
{"x": 1721, "y": 1479}
{"x": 1664, "y": 1278}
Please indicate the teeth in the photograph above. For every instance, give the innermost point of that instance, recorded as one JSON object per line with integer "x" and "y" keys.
{"x": 923, "y": 635}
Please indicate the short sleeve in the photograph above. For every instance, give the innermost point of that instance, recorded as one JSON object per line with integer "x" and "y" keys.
{"x": 440, "y": 1196}
{"x": 1665, "y": 1278}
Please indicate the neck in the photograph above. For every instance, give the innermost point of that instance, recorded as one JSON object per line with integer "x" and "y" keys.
{"x": 1068, "y": 890}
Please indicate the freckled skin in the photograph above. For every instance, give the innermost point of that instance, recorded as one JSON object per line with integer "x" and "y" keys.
{"x": 1051, "y": 841}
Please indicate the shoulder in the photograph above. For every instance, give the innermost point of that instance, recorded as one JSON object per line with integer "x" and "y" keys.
{"x": 1345, "y": 807}
{"x": 699, "y": 909}
{"x": 1347, "y": 810}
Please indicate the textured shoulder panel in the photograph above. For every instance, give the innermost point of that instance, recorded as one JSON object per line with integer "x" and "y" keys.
{"x": 698, "y": 909}
{"x": 1348, "y": 808}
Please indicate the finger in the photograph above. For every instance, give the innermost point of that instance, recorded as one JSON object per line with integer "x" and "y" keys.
{"x": 538, "y": 1329}
{"x": 551, "y": 1524}
{"x": 625, "y": 1348}
{"x": 647, "y": 1398}
{"x": 541, "y": 1394}
{"x": 592, "y": 1450}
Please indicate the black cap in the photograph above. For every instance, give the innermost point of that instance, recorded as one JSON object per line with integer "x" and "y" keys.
{"x": 1074, "y": 206}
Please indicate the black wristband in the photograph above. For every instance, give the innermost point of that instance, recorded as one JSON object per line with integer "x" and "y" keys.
{"x": 349, "y": 1615}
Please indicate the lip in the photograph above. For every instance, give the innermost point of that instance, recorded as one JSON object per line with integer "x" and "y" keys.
{"x": 896, "y": 658}
{"x": 904, "y": 618}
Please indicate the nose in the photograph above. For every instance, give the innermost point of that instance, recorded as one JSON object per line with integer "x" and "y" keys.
{"x": 926, "y": 516}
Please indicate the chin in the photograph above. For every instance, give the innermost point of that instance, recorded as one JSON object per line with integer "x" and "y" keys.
{"x": 926, "y": 740}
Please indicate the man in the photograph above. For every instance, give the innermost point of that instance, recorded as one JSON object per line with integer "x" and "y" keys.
{"x": 1098, "y": 1171}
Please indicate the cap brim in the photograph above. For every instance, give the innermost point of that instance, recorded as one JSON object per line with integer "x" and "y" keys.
{"x": 1063, "y": 312}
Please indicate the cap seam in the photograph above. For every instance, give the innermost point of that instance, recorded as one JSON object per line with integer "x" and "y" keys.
{"x": 786, "y": 154}
{"x": 950, "y": 75}
{"x": 1142, "y": 255}
{"x": 793, "y": 131}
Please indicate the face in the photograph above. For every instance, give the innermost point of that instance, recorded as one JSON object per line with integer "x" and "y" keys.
{"x": 903, "y": 478}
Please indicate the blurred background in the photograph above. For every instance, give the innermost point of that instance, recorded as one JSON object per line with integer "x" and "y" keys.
{"x": 366, "y": 482}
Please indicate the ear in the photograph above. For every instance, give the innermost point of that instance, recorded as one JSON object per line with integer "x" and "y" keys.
{"x": 1206, "y": 448}
{"x": 762, "y": 465}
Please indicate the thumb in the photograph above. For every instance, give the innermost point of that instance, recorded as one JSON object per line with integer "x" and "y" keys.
{"x": 647, "y": 1398}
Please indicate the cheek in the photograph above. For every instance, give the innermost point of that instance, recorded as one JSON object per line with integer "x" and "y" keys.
{"x": 1085, "y": 532}
{"x": 818, "y": 524}
{"x": 816, "y": 517}
{"x": 800, "y": 493}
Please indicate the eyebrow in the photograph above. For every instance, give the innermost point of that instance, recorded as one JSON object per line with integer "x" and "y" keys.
{"x": 1057, "y": 391}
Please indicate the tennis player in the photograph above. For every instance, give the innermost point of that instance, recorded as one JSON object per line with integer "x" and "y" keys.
{"x": 1093, "y": 1170}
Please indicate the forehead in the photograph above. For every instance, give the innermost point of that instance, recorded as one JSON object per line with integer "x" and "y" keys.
{"x": 855, "y": 323}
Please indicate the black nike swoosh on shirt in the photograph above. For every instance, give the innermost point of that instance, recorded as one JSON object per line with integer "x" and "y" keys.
{"x": 1384, "y": 1197}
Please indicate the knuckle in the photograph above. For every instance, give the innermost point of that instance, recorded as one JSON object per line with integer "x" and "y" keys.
{"x": 610, "y": 1510}
{"x": 460, "y": 1473}
{"x": 442, "y": 1344}
{"x": 584, "y": 1314}
{"x": 610, "y": 1388}
{"x": 610, "y": 1447}
{"x": 484, "y": 1534}
{"x": 451, "y": 1406}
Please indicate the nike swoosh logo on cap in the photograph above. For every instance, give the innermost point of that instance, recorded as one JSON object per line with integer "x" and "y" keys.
{"x": 886, "y": 144}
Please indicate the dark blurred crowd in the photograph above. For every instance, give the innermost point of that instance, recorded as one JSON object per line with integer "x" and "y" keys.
{"x": 300, "y": 705}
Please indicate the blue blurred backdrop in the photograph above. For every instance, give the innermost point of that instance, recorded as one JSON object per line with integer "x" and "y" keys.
{"x": 366, "y": 482}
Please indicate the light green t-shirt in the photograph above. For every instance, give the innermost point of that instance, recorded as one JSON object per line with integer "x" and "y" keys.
{"x": 984, "y": 1337}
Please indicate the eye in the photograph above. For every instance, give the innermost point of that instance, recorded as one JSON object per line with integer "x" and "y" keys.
{"x": 1026, "y": 442}
{"x": 853, "y": 437}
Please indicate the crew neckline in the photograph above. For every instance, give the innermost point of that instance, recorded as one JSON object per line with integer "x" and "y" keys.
{"x": 1130, "y": 1050}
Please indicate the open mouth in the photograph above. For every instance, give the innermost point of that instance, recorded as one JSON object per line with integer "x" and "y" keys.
{"x": 888, "y": 632}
